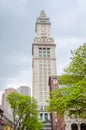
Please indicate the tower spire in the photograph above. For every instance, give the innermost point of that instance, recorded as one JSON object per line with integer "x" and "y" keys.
{"x": 42, "y": 14}
{"x": 43, "y": 19}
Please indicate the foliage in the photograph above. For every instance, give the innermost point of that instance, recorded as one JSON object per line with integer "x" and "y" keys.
{"x": 77, "y": 66}
{"x": 25, "y": 113}
{"x": 72, "y": 98}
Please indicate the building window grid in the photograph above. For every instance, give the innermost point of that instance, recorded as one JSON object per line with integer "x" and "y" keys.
{"x": 44, "y": 52}
{"x": 44, "y": 65}
{"x": 41, "y": 89}
{"x": 45, "y": 89}
{"x": 41, "y": 98}
{"x": 49, "y": 65}
{"x": 40, "y": 61}
{"x": 49, "y": 73}
{"x": 40, "y": 65}
{"x": 45, "y": 69}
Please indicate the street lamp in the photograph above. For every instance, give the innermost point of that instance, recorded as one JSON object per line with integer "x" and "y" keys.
{"x": 1, "y": 121}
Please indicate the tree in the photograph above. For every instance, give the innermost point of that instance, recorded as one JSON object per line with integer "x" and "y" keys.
{"x": 25, "y": 112}
{"x": 72, "y": 98}
{"x": 76, "y": 70}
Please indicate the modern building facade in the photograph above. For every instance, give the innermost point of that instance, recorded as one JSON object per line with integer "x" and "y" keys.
{"x": 24, "y": 90}
{"x": 44, "y": 64}
{"x": 4, "y": 102}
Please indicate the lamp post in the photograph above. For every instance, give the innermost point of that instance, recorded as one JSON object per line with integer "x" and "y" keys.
{"x": 1, "y": 121}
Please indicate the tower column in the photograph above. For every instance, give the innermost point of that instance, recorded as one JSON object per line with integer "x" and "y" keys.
{"x": 44, "y": 63}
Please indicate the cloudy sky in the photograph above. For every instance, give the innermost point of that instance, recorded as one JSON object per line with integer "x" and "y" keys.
{"x": 17, "y": 30}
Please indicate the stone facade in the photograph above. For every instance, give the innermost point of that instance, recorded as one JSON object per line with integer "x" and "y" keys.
{"x": 74, "y": 124}
{"x": 44, "y": 63}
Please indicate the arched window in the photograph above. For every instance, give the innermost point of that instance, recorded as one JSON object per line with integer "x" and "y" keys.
{"x": 74, "y": 126}
{"x": 46, "y": 116}
{"x": 41, "y": 116}
{"x": 83, "y": 126}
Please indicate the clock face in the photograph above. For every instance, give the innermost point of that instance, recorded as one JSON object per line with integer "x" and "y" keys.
{"x": 43, "y": 28}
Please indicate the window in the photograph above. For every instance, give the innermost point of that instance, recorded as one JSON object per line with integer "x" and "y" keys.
{"x": 40, "y": 65}
{"x": 83, "y": 126}
{"x": 55, "y": 81}
{"x": 40, "y": 55}
{"x": 40, "y": 69}
{"x": 44, "y": 55}
{"x": 44, "y": 65}
{"x": 46, "y": 116}
{"x": 41, "y": 93}
{"x": 48, "y": 52}
{"x": 45, "y": 93}
{"x": 48, "y": 49}
{"x": 48, "y": 61}
{"x": 44, "y": 52}
{"x": 74, "y": 126}
{"x": 49, "y": 73}
{"x": 45, "y": 68}
{"x": 40, "y": 48}
{"x": 45, "y": 89}
{"x": 55, "y": 87}
{"x": 49, "y": 69}
{"x": 41, "y": 89}
{"x": 45, "y": 107}
{"x": 40, "y": 85}
{"x": 45, "y": 80}
{"x": 49, "y": 65}
{"x": 41, "y": 116}
{"x": 40, "y": 52}
{"x": 40, "y": 75}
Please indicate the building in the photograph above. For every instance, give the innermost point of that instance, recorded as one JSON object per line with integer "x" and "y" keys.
{"x": 4, "y": 102}
{"x": 53, "y": 83}
{"x": 1, "y": 120}
{"x": 24, "y": 90}
{"x": 6, "y": 121}
{"x": 44, "y": 65}
{"x": 57, "y": 122}
{"x": 71, "y": 123}
{"x": 64, "y": 123}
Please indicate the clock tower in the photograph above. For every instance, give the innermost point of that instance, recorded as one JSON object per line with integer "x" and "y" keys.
{"x": 43, "y": 26}
{"x": 44, "y": 65}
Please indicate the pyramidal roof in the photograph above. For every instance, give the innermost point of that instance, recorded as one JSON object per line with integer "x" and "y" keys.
{"x": 43, "y": 19}
{"x": 42, "y": 14}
